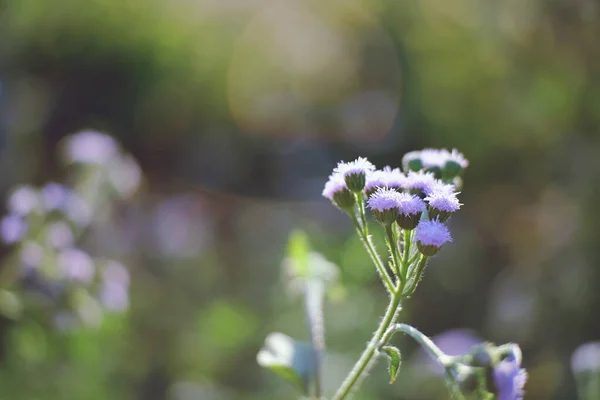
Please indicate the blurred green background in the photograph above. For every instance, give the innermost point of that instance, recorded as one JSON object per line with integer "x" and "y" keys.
{"x": 237, "y": 111}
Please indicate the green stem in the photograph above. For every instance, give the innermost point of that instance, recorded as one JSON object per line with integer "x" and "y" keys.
{"x": 405, "y": 263}
{"x": 364, "y": 363}
{"x": 432, "y": 350}
{"x": 393, "y": 247}
{"x": 366, "y": 241}
{"x": 416, "y": 276}
{"x": 427, "y": 344}
{"x": 361, "y": 210}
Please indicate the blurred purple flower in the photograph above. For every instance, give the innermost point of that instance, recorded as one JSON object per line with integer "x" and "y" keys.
{"x": 586, "y": 358}
{"x": 509, "y": 379}
{"x": 114, "y": 297}
{"x": 76, "y": 264}
{"x": 115, "y": 273}
{"x": 90, "y": 147}
{"x": 432, "y": 233}
{"x": 54, "y": 196}
{"x": 335, "y": 184}
{"x": 23, "y": 200}
{"x": 32, "y": 255}
{"x": 12, "y": 228}
{"x": 454, "y": 342}
{"x": 78, "y": 210}
{"x": 59, "y": 235}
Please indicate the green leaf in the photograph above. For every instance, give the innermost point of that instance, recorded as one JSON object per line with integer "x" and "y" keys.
{"x": 292, "y": 360}
{"x": 394, "y": 359}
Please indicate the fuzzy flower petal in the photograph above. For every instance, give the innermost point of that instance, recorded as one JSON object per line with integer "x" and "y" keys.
{"x": 359, "y": 166}
{"x": 419, "y": 181}
{"x": 384, "y": 199}
{"x": 409, "y": 204}
{"x": 443, "y": 201}
{"x": 509, "y": 379}
{"x": 432, "y": 233}
{"x": 335, "y": 184}
{"x": 586, "y": 358}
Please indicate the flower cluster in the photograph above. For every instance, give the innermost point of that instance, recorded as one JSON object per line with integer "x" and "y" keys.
{"x": 43, "y": 226}
{"x": 414, "y": 199}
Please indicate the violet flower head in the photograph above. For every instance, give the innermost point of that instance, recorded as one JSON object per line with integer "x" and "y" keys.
{"x": 395, "y": 178}
{"x": 12, "y": 228}
{"x": 431, "y": 236}
{"x": 509, "y": 379}
{"x": 336, "y": 190}
{"x": 54, "y": 196}
{"x": 76, "y": 265}
{"x": 386, "y": 178}
{"x": 90, "y": 147}
{"x": 419, "y": 183}
{"x": 384, "y": 199}
{"x": 23, "y": 200}
{"x": 355, "y": 173}
{"x": 442, "y": 204}
{"x": 586, "y": 358}
{"x": 385, "y": 204}
{"x": 410, "y": 208}
{"x": 376, "y": 179}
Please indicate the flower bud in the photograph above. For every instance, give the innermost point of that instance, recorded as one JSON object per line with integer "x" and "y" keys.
{"x": 431, "y": 236}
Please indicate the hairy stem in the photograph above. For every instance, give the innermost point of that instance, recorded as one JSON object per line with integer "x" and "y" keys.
{"x": 393, "y": 247}
{"x": 366, "y": 241}
{"x": 364, "y": 363}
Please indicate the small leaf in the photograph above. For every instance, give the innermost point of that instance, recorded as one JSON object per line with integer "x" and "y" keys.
{"x": 394, "y": 359}
{"x": 292, "y": 360}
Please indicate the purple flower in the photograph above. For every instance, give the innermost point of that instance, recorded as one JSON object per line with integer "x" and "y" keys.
{"x": 442, "y": 204}
{"x": 355, "y": 173}
{"x": 386, "y": 178}
{"x": 90, "y": 147}
{"x": 114, "y": 297}
{"x": 454, "y": 342}
{"x": 337, "y": 191}
{"x": 12, "y": 228}
{"x": 384, "y": 199}
{"x": 509, "y": 379}
{"x": 23, "y": 200}
{"x": 410, "y": 208}
{"x": 59, "y": 235}
{"x": 376, "y": 179}
{"x": 420, "y": 182}
{"x": 54, "y": 196}
{"x": 385, "y": 204}
{"x": 335, "y": 184}
{"x": 359, "y": 166}
{"x": 76, "y": 265}
{"x": 586, "y": 358}
{"x": 115, "y": 273}
{"x": 409, "y": 204}
{"x": 430, "y": 236}
{"x": 439, "y": 186}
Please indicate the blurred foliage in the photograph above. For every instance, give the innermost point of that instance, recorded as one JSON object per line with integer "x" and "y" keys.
{"x": 237, "y": 111}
